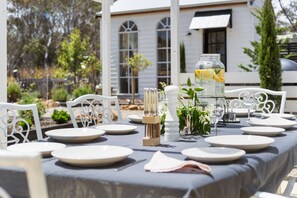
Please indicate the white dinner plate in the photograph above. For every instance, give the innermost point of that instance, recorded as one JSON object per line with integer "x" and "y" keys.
{"x": 273, "y": 122}
{"x": 135, "y": 118}
{"x": 213, "y": 154}
{"x": 75, "y": 134}
{"x": 265, "y": 131}
{"x": 245, "y": 142}
{"x": 117, "y": 128}
{"x": 242, "y": 111}
{"x": 282, "y": 115}
{"x": 92, "y": 156}
{"x": 44, "y": 148}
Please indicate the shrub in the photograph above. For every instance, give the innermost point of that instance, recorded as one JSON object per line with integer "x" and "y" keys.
{"x": 60, "y": 94}
{"x": 82, "y": 91}
{"x": 60, "y": 116}
{"x": 13, "y": 92}
{"x": 31, "y": 98}
{"x": 24, "y": 124}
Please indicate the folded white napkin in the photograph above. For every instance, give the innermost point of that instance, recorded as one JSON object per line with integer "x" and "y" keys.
{"x": 163, "y": 163}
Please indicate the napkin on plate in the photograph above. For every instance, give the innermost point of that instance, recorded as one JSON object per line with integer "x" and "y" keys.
{"x": 162, "y": 163}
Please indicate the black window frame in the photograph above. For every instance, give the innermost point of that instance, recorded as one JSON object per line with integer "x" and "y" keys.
{"x": 206, "y": 43}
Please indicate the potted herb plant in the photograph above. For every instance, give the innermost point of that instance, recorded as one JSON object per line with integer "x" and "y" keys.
{"x": 192, "y": 118}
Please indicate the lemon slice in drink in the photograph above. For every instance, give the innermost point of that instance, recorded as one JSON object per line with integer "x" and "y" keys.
{"x": 220, "y": 77}
{"x": 198, "y": 73}
{"x": 207, "y": 74}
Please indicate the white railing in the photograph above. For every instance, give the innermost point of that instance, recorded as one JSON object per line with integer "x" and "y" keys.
{"x": 235, "y": 80}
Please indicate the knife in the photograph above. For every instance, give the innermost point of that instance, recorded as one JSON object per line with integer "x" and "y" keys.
{"x": 128, "y": 165}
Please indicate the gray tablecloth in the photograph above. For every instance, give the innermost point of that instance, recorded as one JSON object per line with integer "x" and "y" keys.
{"x": 262, "y": 170}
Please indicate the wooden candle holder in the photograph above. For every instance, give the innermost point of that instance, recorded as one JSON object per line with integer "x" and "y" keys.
{"x": 152, "y": 130}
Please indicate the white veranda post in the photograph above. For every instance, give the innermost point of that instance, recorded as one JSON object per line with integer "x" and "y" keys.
{"x": 105, "y": 45}
{"x": 3, "y": 52}
{"x": 175, "y": 55}
{"x": 3, "y": 58}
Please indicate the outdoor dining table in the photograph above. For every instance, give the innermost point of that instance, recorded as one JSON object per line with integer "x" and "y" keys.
{"x": 261, "y": 170}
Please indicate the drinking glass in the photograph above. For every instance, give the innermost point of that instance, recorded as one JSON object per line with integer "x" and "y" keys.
{"x": 217, "y": 115}
{"x": 249, "y": 101}
{"x": 161, "y": 103}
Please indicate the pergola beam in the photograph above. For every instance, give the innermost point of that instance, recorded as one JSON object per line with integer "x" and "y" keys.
{"x": 175, "y": 55}
{"x": 3, "y": 51}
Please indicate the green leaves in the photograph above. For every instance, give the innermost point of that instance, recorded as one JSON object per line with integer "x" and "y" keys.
{"x": 138, "y": 62}
{"x": 182, "y": 58}
{"x": 60, "y": 116}
{"x": 191, "y": 92}
{"x": 268, "y": 56}
{"x": 191, "y": 115}
{"x": 265, "y": 27}
{"x": 75, "y": 56}
{"x": 196, "y": 120}
{"x": 189, "y": 83}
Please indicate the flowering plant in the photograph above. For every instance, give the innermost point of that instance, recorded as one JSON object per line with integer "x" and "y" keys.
{"x": 192, "y": 118}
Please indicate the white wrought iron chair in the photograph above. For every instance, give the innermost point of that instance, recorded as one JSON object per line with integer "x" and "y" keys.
{"x": 10, "y": 130}
{"x": 260, "y": 95}
{"x": 31, "y": 163}
{"x": 94, "y": 109}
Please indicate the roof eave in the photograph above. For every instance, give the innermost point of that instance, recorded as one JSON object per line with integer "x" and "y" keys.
{"x": 168, "y": 7}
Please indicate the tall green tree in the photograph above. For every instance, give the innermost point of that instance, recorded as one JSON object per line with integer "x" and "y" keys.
{"x": 182, "y": 58}
{"x": 268, "y": 59}
{"x": 137, "y": 62}
{"x": 36, "y": 28}
{"x": 76, "y": 57}
{"x": 253, "y": 52}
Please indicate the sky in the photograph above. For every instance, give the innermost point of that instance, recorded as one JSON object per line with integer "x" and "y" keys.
{"x": 277, "y": 7}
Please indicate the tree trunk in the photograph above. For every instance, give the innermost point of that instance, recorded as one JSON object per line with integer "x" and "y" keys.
{"x": 133, "y": 89}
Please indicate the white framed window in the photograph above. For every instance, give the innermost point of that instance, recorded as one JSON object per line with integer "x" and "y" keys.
{"x": 163, "y": 52}
{"x": 128, "y": 46}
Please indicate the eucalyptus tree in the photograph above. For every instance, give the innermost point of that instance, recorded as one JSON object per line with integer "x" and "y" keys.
{"x": 288, "y": 10}
{"x": 76, "y": 58}
{"x": 36, "y": 28}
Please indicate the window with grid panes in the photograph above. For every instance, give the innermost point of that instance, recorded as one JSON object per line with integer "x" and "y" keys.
{"x": 163, "y": 52}
{"x": 128, "y": 39}
{"x": 215, "y": 43}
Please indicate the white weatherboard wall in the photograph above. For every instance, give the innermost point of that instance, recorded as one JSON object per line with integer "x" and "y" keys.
{"x": 3, "y": 52}
{"x": 239, "y": 36}
{"x": 146, "y": 45}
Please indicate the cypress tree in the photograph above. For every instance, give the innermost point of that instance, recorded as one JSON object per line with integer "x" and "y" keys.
{"x": 182, "y": 58}
{"x": 268, "y": 59}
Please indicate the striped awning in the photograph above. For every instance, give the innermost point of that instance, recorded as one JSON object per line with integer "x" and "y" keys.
{"x": 214, "y": 21}
{"x": 211, "y": 19}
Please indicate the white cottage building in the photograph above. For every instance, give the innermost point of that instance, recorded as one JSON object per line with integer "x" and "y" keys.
{"x": 205, "y": 26}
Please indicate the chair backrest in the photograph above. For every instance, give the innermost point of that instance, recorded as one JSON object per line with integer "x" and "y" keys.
{"x": 10, "y": 121}
{"x": 4, "y": 193}
{"x": 31, "y": 163}
{"x": 94, "y": 109}
{"x": 260, "y": 95}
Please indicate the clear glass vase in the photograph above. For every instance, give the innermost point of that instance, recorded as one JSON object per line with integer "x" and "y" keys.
{"x": 210, "y": 74}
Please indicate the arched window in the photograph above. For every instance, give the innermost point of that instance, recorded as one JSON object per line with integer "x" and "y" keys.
{"x": 128, "y": 37}
{"x": 163, "y": 52}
